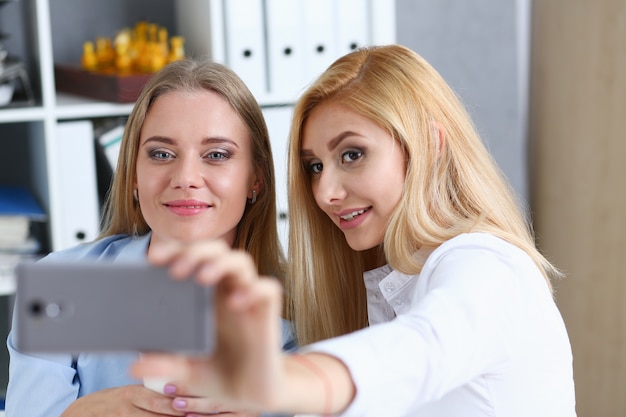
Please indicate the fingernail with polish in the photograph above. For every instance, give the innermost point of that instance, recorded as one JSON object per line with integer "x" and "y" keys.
{"x": 169, "y": 389}
{"x": 179, "y": 404}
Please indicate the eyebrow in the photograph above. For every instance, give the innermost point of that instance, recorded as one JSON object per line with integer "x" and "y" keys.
{"x": 333, "y": 143}
{"x": 205, "y": 141}
{"x": 339, "y": 138}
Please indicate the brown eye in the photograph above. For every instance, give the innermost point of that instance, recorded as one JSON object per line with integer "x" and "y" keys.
{"x": 315, "y": 167}
{"x": 351, "y": 156}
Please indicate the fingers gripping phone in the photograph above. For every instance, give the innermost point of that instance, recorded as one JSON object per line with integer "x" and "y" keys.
{"x": 96, "y": 306}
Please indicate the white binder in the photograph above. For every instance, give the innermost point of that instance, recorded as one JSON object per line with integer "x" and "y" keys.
{"x": 285, "y": 43}
{"x": 266, "y": 29}
{"x": 278, "y": 121}
{"x": 245, "y": 42}
{"x": 382, "y": 27}
{"x": 352, "y": 22}
{"x": 77, "y": 209}
{"x": 201, "y": 23}
{"x": 319, "y": 37}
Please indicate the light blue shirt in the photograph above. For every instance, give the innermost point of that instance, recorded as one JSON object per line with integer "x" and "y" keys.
{"x": 45, "y": 385}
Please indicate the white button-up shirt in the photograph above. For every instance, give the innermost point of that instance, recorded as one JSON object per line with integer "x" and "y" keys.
{"x": 475, "y": 334}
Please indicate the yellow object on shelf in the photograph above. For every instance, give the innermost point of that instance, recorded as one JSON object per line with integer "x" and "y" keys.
{"x": 105, "y": 53}
{"x": 177, "y": 48}
{"x": 123, "y": 55}
{"x": 145, "y": 48}
{"x": 89, "y": 60}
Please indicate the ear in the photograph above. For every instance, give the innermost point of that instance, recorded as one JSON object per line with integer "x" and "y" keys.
{"x": 257, "y": 180}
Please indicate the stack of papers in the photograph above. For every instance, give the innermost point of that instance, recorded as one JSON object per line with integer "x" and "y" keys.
{"x": 18, "y": 210}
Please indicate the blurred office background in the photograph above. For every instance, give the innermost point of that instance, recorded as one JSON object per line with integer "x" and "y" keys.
{"x": 545, "y": 82}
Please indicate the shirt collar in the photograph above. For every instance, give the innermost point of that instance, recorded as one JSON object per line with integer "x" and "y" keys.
{"x": 137, "y": 248}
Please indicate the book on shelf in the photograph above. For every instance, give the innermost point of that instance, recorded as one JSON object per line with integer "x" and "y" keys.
{"x": 18, "y": 210}
{"x": 16, "y": 200}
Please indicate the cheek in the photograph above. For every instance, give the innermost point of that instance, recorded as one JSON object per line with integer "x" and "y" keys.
{"x": 143, "y": 171}
{"x": 147, "y": 180}
{"x": 391, "y": 186}
{"x": 316, "y": 196}
{"x": 395, "y": 195}
{"x": 234, "y": 182}
{"x": 314, "y": 188}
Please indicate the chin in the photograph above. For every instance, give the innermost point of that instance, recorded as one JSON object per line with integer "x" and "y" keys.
{"x": 361, "y": 246}
{"x": 189, "y": 236}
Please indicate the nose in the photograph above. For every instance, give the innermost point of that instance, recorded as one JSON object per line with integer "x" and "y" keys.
{"x": 187, "y": 173}
{"x": 329, "y": 188}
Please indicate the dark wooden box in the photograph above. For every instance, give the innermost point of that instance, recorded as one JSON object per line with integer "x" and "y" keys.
{"x": 99, "y": 85}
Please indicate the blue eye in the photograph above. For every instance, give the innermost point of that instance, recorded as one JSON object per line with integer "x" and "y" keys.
{"x": 351, "y": 156}
{"x": 218, "y": 155}
{"x": 160, "y": 154}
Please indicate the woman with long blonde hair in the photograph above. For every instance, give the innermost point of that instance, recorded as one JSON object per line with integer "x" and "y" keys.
{"x": 413, "y": 282}
{"x": 452, "y": 186}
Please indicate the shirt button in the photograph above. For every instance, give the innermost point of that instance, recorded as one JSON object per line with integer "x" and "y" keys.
{"x": 399, "y": 302}
{"x": 389, "y": 287}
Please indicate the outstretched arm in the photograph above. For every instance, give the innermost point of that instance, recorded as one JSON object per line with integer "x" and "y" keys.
{"x": 247, "y": 370}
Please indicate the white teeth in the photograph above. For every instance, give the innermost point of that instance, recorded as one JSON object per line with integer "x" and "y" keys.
{"x": 352, "y": 215}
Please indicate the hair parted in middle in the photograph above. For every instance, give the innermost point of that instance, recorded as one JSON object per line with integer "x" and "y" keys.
{"x": 257, "y": 231}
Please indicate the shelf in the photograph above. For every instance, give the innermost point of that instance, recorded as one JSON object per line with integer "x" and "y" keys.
{"x": 76, "y": 107}
{"x": 21, "y": 114}
{"x": 68, "y": 107}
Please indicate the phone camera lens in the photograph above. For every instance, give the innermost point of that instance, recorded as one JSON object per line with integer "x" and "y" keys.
{"x": 36, "y": 308}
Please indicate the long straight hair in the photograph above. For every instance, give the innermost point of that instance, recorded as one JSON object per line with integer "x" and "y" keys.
{"x": 257, "y": 230}
{"x": 452, "y": 186}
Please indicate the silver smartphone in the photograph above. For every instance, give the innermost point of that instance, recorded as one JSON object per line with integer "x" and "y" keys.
{"x": 96, "y": 306}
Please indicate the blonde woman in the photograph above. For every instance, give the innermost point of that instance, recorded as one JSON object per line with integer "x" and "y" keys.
{"x": 413, "y": 280}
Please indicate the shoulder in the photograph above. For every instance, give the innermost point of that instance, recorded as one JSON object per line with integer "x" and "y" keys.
{"x": 109, "y": 247}
{"x": 473, "y": 258}
{"x": 469, "y": 247}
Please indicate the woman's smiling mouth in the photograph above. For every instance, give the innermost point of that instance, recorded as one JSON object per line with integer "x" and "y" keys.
{"x": 350, "y": 216}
